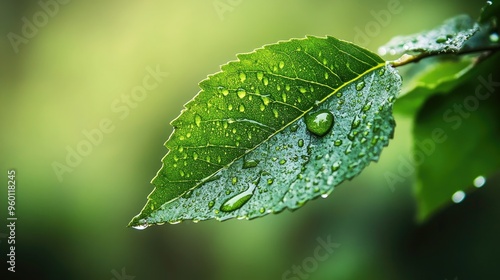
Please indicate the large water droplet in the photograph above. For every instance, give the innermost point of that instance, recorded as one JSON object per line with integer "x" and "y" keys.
{"x": 242, "y": 108}
{"x": 241, "y": 93}
{"x": 320, "y": 122}
{"x": 141, "y": 227}
{"x": 479, "y": 181}
{"x": 282, "y": 64}
{"x": 494, "y": 37}
{"x": 250, "y": 163}
{"x": 458, "y": 196}
{"x": 238, "y": 200}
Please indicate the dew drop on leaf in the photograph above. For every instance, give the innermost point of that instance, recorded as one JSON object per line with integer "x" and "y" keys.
{"x": 243, "y": 77}
{"x": 241, "y": 93}
{"x": 360, "y": 85}
{"x": 197, "y": 120}
{"x": 250, "y": 163}
{"x": 238, "y": 200}
{"x": 320, "y": 122}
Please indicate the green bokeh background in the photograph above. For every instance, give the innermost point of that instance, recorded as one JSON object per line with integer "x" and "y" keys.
{"x": 91, "y": 53}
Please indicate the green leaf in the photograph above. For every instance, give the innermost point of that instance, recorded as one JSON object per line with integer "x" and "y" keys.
{"x": 456, "y": 139}
{"x": 429, "y": 77}
{"x": 450, "y": 37}
{"x": 242, "y": 148}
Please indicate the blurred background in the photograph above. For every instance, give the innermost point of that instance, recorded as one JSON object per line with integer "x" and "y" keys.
{"x": 68, "y": 70}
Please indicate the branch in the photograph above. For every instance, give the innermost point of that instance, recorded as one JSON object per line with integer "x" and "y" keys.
{"x": 408, "y": 58}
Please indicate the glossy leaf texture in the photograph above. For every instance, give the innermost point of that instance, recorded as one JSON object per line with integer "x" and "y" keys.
{"x": 282, "y": 125}
{"x": 456, "y": 140}
{"x": 449, "y": 37}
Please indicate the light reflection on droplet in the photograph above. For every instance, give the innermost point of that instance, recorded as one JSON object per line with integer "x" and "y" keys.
{"x": 458, "y": 196}
{"x": 479, "y": 181}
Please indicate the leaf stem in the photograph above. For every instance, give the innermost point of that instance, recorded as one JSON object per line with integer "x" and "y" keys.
{"x": 408, "y": 58}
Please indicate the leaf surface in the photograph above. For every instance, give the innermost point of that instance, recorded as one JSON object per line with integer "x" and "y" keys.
{"x": 282, "y": 125}
{"x": 449, "y": 37}
{"x": 456, "y": 139}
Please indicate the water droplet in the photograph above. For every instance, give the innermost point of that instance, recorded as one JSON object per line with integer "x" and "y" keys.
{"x": 326, "y": 75}
{"x": 241, "y": 93}
{"x": 230, "y": 107}
{"x": 479, "y": 181}
{"x": 355, "y": 123}
{"x": 320, "y": 122}
{"x": 225, "y": 92}
{"x": 260, "y": 75}
{"x": 282, "y": 162}
{"x": 494, "y": 37}
{"x": 238, "y": 200}
{"x": 234, "y": 180}
{"x": 336, "y": 166}
{"x": 182, "y": 173}
{"x": 458, "y": 196}
{"x": 337, "y": 143}
{"x": 367, "y": 107}
{"x": 441, "y": 39}
{"x": 211, "y": 204}
{"x": 266, "y": 81}
{"x": 275, "y": 112}
{"x": 243, "y": 77}
{"x": 339, "y": 94}
{"x": 141, "y": 227}
{"x": 282, "y": 64}
{"x": 262, "y": 107}
{"x": 250, "y": 163}
{"x": 294, "y": 128}
{"x": 287, "y": 87}
{"x": 302, "y": 90}
{"x": 262, "y": 210}
{"x": 187, "y": 194}
{"x": 266, "y": 100}
{"x": 382, "y": 51}
{"x": 270, "y": 181}
{"x": 301, "y": 143}
{"x": 325, "y": 61}
{"x": 197, "y": 120}
{"x": 283, "y": 96}
{"x": 242, "y": 108}
{"x": 360, "y": 85}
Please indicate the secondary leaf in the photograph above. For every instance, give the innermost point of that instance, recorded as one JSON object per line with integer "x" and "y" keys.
{"x": 450, "y": 37}
{"x": 429, "y": 77}
{"x": 280, "y": 126}
{"x": 456, "y": 139}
